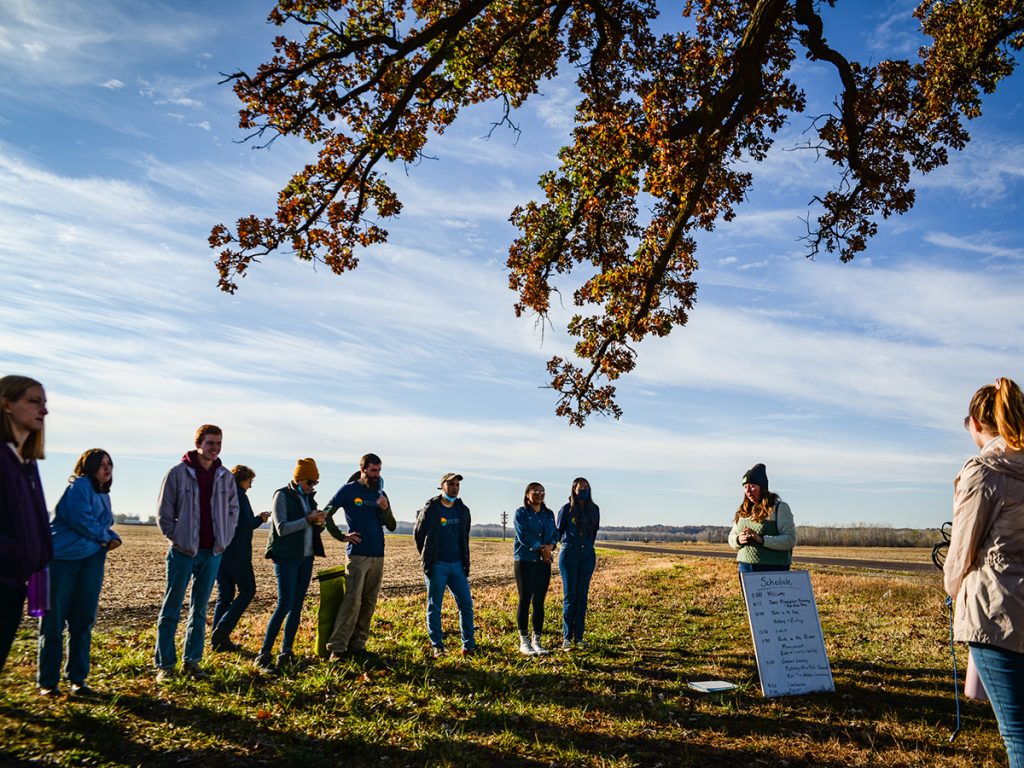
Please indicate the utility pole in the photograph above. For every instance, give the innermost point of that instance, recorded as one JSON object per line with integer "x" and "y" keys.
{"x": 504, "y": 523}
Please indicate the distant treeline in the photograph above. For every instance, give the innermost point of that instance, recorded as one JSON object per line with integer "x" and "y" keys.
{"x": 859, "y": 535}
{"x": 807, "y": 535}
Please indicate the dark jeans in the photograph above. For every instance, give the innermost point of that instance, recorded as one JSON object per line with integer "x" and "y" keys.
{"x": 292, "y": 584}
{"x": 758, "y": 567}
{"x": 236, "y": 587}
{"x": 576, "y": 565}
{"x": 12, "y": 603}
{"x": 532, "y": 579}
{"x": 74, "y": 597}
{"x": 1002, "y": 673}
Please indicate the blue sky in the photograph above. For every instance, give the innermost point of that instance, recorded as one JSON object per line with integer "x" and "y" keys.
{"x": 118, "y": 153}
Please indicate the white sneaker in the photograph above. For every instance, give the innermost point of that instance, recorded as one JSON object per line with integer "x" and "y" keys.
{"x": 538, "y": 649}
{"x": 525, "y": 646}
{"x": 566, "y": 644}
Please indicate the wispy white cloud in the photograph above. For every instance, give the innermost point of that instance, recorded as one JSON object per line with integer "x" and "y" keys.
{"x": 984, "y": 173}
{"x": 555, "y": 106}
{"x": 975, "y": 244}
{"x": 894, "y": 32}
{"x": 173, "y": 91}
{"x": 112, "y": 84}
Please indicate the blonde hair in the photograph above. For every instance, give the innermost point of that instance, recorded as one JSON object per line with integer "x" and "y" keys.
{"x": 999, "y": 408}
{"x": 12, "y": 389}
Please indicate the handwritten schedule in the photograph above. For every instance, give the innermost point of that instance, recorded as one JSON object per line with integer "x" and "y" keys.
{"x": 788, "y": 643}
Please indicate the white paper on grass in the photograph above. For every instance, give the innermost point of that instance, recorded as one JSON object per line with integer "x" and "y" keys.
{"x": 712, "y": 686}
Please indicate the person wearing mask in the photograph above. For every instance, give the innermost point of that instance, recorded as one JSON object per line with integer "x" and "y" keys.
{"x": 532, "y": 554}
{"x": 293, "y": 543}
{"x": 236, "y": 580}
{"x": 197, "y": 511}
{"x": 442, "y": 539}
{"x": 82, "y": 530}
{"x": 25, "y": 543}
{"x": 577, "y": 525}
{"x": 763, "y": 533}
{"x": 984, "y": 568}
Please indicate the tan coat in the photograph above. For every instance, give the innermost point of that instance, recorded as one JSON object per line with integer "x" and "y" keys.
{"x": 984, "y": 567}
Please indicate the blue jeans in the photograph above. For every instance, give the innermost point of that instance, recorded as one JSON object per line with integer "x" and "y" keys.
{"x": 576, "y": 564}
{"x": 74, "y": 597}
{"x": 236, "y": 587}
{"x": 1002, "y": 673}
{"x": 452, "y": 576}
{"x": 758, "y": 567}
{"x": 292, "y": 584}
{"x": 201, "y": 569}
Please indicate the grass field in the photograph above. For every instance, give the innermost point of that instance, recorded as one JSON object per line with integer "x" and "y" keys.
{"x": 656, "y": 623}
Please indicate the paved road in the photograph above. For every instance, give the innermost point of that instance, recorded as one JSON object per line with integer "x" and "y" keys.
{"x": 877, "y": 565}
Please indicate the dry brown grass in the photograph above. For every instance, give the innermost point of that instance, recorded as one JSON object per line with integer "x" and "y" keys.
{"x": 656, "y": 622}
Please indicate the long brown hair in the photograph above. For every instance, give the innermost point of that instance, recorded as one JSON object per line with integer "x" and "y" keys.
{"x": 12, "y": 389}
{"x": 999, "y": 408}
{"x": 760, "y": 511}
{"x": 88, "y": 465}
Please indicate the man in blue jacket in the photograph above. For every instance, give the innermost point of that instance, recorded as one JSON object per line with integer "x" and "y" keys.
{"x": 367, "y": 512}
{"x": 197, "y": 513}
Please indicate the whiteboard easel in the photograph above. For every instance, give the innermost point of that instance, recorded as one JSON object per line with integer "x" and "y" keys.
{"x": 788, "y": 642}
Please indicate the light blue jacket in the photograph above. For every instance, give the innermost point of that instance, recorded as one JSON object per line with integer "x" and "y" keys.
{"x": 81, "y": 524}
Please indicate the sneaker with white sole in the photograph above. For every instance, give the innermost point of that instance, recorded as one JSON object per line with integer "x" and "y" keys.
{"x": 566, "y": 644}
{"x": 525, "y": 646}
{"x": 538, "y": 649}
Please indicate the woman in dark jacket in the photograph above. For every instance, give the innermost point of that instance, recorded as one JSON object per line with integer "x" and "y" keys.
{"x": 25, "y": 546}
{"x": 83, "y": 533}
{"x": 578, "y": 523}
{"x": 236, "y": 581}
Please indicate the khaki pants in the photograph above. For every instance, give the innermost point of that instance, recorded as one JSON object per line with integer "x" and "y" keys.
{"x": 362, "y": 585}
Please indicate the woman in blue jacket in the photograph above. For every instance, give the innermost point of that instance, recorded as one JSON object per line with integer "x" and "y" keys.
{"x": 578, "y": 523}
{"x": 535, "y": 542}
{"x": 82, "y": 536}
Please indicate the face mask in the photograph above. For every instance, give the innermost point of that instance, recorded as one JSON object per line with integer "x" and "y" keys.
{"x": 583, "y": 494}
{"x": 450, "y": 499}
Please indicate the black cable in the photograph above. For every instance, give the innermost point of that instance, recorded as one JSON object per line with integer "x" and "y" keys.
{"x": 939, "y": 559}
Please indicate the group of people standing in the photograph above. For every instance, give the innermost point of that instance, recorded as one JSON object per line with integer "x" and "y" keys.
{"x": 204, "y": 512}
{"x": 208, "y": 521}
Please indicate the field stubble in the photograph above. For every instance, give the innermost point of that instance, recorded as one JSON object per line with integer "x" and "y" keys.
{"x": 656, "y": 622}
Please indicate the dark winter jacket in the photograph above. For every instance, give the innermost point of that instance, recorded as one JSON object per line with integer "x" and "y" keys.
{"x": 428, "y": 526}
{"x": 25, "y": 544}
{"x": 239, "y": 551}
{"x": 287, "y": 539}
